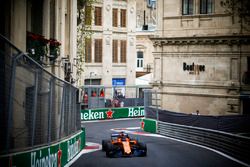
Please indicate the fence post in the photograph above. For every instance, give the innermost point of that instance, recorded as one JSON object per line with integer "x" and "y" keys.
{"x": 145, "y": 102}
{"x": 10, "y": 103}
{"x": 34, "y": 108}
{"x": 62, "y": 111}
{"x": 157, "y": 108}
{"x": 50, "y": 108}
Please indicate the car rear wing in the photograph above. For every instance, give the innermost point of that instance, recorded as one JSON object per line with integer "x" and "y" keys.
{"x": 118, "y": 134}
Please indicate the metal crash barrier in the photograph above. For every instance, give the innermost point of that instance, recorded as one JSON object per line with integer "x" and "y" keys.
{"x": 230, "y": 144}
{"x": 220, "y": 133}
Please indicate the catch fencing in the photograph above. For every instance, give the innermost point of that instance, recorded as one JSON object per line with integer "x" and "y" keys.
{"x": 37, "y": 108}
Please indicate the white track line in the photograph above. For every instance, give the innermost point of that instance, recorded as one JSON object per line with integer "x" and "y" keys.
{"x": 84, "y": 151}
{"x": 110, "y": 120}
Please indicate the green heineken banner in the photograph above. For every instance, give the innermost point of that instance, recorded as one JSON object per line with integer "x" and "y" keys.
{"x": 56, "y": 155}
{"x": 149, "y": 125}
{"x": 111, "y": 113}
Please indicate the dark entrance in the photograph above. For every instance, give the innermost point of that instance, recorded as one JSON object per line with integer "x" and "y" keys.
{"x": 246, "y": 106}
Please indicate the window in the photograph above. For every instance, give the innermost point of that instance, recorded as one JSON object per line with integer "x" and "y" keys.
{"x": 123, "y": 17}
{"x": 206, "y": 6}
{"x": 187, "y": 7}
{"x": 98, "y": 16}
{"x": 92, "y": 82}
{"x": 115, "y": 19}
{"x": 98, "y": 50}
{"x": 123, "y": 51}
{"x": 115, "y": 51}
{"x": 88, "y": 52}
{"x": 88, "y": 17}
{"x": 139, "y": 59}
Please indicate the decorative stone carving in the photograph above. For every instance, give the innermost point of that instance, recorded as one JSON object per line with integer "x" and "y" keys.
{"x": 131, "y": 41}
{"x": 108, "y": 7}
{"x": 107, "y": 40}
{"x": 132, "y": 10}
{"x": 200, "y": 41}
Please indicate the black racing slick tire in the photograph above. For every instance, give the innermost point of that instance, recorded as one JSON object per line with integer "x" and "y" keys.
{"x": 113, "y": 151}
{"x": 143, "y": 147}
{"x": 109, "y": 150}
{"x": 104, "y": 144}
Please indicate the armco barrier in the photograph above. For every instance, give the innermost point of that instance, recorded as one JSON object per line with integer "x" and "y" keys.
{"x": 230, "y": 144}
{"x": 112, "y": 113}
{"x": 149, "y": 125}
{"x": 57, "y": 154}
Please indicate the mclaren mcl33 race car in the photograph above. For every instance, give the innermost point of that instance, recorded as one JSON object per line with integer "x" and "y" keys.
{"x": 121, "y": 145}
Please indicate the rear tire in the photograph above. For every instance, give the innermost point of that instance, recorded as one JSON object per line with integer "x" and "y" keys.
{"x": 143, "y": 148}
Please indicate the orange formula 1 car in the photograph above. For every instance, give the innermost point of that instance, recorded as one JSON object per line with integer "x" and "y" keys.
{"x": 121, "y": 145}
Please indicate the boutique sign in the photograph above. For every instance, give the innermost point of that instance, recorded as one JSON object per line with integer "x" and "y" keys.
{"x": 193, "y": 68}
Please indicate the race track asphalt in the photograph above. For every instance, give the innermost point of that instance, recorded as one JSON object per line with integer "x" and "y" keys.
{"x": 162, "y": 152}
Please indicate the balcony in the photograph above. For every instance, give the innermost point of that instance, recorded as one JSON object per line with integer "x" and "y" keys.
{"x": 41, "y": 49}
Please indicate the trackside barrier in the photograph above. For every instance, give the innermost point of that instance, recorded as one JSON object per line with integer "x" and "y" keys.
{"x": 230, "y": 144}
{"x": 111, "y": 113}
{"x": 149, "y": 125}
{"x": 208, "y": 131}
{"x": 57, "y": 154}
{"x": 39, "y": 113}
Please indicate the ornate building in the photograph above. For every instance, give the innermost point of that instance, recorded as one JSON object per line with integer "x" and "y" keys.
{"x": 145, "y": 27}
{"x": 110, "y": 52}
{"x": 201, "y": 58}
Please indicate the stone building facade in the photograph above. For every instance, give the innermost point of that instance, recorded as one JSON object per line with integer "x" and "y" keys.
{"x": 201, "y": 58}
{"x": 45, "y": 19}
{"x": 145, "y": 27}
{"x": 53, "y": 19}
{"x": 111, "y": 51}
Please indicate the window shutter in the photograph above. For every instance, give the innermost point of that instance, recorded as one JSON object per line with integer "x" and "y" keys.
{"x": 98, "y": 50}
{"x": 123, "y": 51}
{"x": 115, "y": 19}
{"x": 115, "y": 51}
{"x": 123, "y": 17}
{"x": 98, "y": 16}
{"x": 88, "y": 52}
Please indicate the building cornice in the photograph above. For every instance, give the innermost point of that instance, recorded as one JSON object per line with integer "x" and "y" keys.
{"x": 202, "y": 40}
{"x": 200, "y": 16}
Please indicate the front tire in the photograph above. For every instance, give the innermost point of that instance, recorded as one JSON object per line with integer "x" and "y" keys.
{"x": 104, "y": 144}
{"x": 113, "y": 151}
